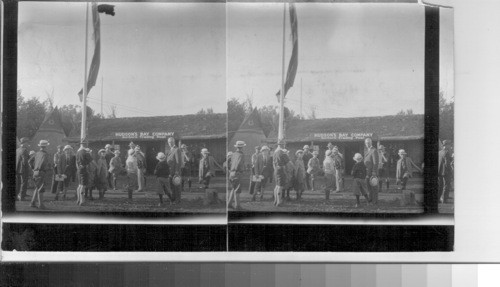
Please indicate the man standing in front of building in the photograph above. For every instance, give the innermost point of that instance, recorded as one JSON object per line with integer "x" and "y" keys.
{"x": 445, "y": 171}
{"x": 186, "y": 166}
{"x": 253, "y": 173}
{"x": 109, "y": 155}
{"x": 264, "y": 169}
{"x": 22, "y": 169}
{"x": 236, "y": 169}
{"x": 41, "y": 165}
{"x": 83, "y": 160}
{"x": 371, "y": 164}
{"x": 174, "y": 160}
{"x": 306, "y": 157}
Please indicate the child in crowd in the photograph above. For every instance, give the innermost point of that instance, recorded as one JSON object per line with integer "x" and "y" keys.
{"x": 299, "y": 174}
{"x": 329, "y": 169}
{"x": 313, "y": 168}
{"x": 359, "y": 175}
{"x": 101, "y": 180}
{"x": 162, "y": 172}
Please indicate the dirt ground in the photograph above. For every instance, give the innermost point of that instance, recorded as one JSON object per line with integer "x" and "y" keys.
{"x": 390, "y": 201}
{"x": 147, "y": 201}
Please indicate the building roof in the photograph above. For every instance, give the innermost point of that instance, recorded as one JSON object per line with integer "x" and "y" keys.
{"x": 184, "y": 126}
{"x": 384, "y": 127}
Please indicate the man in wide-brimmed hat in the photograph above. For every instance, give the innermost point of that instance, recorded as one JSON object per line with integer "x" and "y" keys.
{"x": 236, "y": 169}
{"x": 141, "y": 168}
{"x": 253, "y": 172}
{"x": 162, "y": 172}
{"x": 307, "y": 155}
{"x": 264, "y": 170}
{"x": 41, "y": 166}
{"x": 109, "y": 155}
{"x": 174, "y": 160}
{"x": 382, "y": 167}
{"x": 280, "y": 160}
{"x": 445, "y": 171}
{"x": 206, "y": 168}
{"x": 116, "y": 168}
{"x": 186, "y": 166}
{"x": 59, "y": 171}
{"x": 22, "y": 169}
{"x": 370, "y": 159}
{"x": 83, "y": 160}
{"x": 404, "y": 169}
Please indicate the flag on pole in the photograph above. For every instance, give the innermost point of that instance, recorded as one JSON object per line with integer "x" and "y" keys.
{"x": 294, "y": 61}
{"x": 96, "y": 36}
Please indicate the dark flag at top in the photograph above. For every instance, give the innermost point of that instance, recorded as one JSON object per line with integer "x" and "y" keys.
{"x": 96, "y": 58}
{"x": 106, "y": 9}
{"x": 294, "y": 61}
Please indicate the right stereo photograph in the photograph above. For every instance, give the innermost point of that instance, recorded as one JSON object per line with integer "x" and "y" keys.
{"x": 327, "y": 108}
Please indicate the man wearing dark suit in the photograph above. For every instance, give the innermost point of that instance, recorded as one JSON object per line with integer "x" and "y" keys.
{"x": 254, "y": 162}
{"x": 174, "y": 161}
{"x": 22, "y": 169}
{"x": 59, "y": 167}
{"x": 264, "y": 169}
{"x": 371, "y": 163}
{"x": 306, "y": 157}
{"x": 70, "y": 168}
{"x": 445, "y": 171}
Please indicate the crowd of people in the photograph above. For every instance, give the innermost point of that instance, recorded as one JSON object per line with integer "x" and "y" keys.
{"x": 370, "y": 172}
{"x": 106, "y": 170}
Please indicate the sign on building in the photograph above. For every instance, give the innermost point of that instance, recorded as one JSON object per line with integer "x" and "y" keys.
{"x": 340, "y": 136}
{"x": 142, "y": 135}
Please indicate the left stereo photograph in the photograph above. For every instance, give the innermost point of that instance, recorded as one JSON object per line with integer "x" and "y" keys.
{"x": 121, "y": 108}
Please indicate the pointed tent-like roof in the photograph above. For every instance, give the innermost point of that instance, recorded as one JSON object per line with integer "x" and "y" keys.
{"x": 251, "y": 122}
{"x": 52, "y": 122}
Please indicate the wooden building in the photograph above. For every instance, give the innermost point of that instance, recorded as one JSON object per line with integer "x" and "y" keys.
{"x": 197, "y": 131}
{"x": 394, "y": 132}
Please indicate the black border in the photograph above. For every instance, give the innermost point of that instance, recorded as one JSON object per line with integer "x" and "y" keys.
{"x": 239, "y": 237}
{"x": 368, "y": 238}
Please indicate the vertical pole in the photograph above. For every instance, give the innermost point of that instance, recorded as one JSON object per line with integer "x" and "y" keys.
{"x": 301, "y": 97}
{"x": 83, "y": 133}
{"x": 102, "y": 97}
{"x": 282, "y": 93}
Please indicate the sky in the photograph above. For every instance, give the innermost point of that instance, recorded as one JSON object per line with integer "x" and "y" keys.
{"x": 157, "y": 59}
{"x": 354, "y": 59}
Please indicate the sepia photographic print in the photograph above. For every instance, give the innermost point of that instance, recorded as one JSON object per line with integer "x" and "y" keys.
{"x": 347, "y": 136}
{"x": 147, "y": 130}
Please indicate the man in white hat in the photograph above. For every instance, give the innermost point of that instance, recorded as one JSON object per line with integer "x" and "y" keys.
{"x": 59, "y": 171}
{"x": 162, "y": 172}
{"x": 280, "y": 160}
{"x": 236, "y": 169}
{"x": 305, "y": 158}
{"x": 115, "y": 167}
{"x": 174, "y": 160}
{"x": 22, "y": 169}
{"x": 206, "y": 169}
{"x": 404, "y": 169}
{"x": 186, "y": 166}
{"x": 41, "y": 166}
{"x": 264, "y": 170}
{"x": 141, "y": 168}
{"x": 370, "y": 160}
{"x": 83, "y": 160}
{"x": 109, "y": 155}
{"x": 445, "y": 171}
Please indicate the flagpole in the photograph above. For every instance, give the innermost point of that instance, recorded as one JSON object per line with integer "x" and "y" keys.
{"x": 281, "y": 135}
{"x": 102, "y": 97}
{"x": 84, "y": 102}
